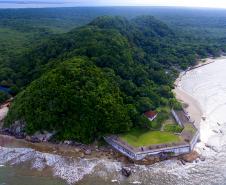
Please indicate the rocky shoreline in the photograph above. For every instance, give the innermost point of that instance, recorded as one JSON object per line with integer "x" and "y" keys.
{"x": 42, "y": 142}
{"x": 73, "y": 151}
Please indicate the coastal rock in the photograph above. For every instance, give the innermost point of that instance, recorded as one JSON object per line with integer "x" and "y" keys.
{"x": 77, "y": 150}
{"x": 68, "y": 142}
{"x": 34, "y": 140}
{"x": 183, "y": 162}
{"x": 88, "y": 152}
{"x": 17, "y": 129}
{"x": 211, "y": 147}
{"x": 81, "y": 155}
{"x": 190, "y": 157}
{"x": 126, "y": 171}
{"x": 145, "y": 162}
{"x": 39, "y": 136}
{"x": 215, "y": 149}
{"x": 77, "y": 143}
{"x": 163, "y": 157}
{"x": 122, "y": 159}
{"x": 202, "y": 158}
{"x": 48, "y": 135}
{"x": 42, "y": 137}
{"x": 149, "y": 160}
{"x": 28, "y": 138}
{"x": 5, "y": 131}
{"x": 215, "y": 131}
{"x": 114, "y": 181}
{"x": 20, "y": 136}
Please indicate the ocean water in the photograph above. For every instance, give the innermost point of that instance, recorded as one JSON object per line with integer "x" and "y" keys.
{"x": 207, "y": 85}
{"x": 24, "y": 176}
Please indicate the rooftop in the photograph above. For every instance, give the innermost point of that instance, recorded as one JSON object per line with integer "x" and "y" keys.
{"x": 150, "y": 114}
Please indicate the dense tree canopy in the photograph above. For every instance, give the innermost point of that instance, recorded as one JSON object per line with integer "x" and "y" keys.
{"x": 100, "y": 78}
{"x": 3, "y": 96}
{"x": 76, "y": 99}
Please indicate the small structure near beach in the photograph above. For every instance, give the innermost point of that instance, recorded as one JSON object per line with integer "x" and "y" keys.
{"x": 137, "y": 146}
{"x": 151, "y": 115}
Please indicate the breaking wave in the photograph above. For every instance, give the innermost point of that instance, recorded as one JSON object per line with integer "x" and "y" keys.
{"x": 69, "y": 169}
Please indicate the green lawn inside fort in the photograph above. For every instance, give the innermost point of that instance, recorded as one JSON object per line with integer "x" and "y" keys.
{"x": 139, "y": 138}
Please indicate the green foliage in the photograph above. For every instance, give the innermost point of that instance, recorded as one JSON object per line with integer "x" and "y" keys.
{"x": 144, "y": 104}
{"x": 76, "y": 99}
{"x": 175, "y": 104}
{"x": 157, "y": 123}
{"x": 3, "y": 96}
{"x": 175, "y": 128}
{"x": 97, "y": 79}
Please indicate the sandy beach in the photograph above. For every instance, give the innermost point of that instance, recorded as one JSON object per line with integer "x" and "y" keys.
{"x": 193, "y": 107}
{"x": 203, "y": 91}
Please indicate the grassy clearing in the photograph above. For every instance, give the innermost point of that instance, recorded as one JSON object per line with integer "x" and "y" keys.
{"x": 170, "y": 121}
{"x": 138, "y": 138}
{"x": 172, "y": 128}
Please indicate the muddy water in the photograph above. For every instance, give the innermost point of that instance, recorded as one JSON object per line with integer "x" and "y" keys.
{"x": 25, "y": 176}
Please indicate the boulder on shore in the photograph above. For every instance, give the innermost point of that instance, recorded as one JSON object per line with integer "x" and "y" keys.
{"x": 183, "y": 162}
{"x": 17, "y": 129}
{"x": 212, "y": 147}
{"x": 126, "y": 171}
{"x": 68, "y": 142}
{"x": 190, "y": 157}
{"x": 34, "y": 139}
{"x": 202, "y": 158}
{"x": 40, "y": 137}
{"x": 88, "y": 152}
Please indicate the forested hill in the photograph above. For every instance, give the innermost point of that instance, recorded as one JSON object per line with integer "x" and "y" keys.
{"x": 150, "y": 40}
{"x": 100, "y": 78}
